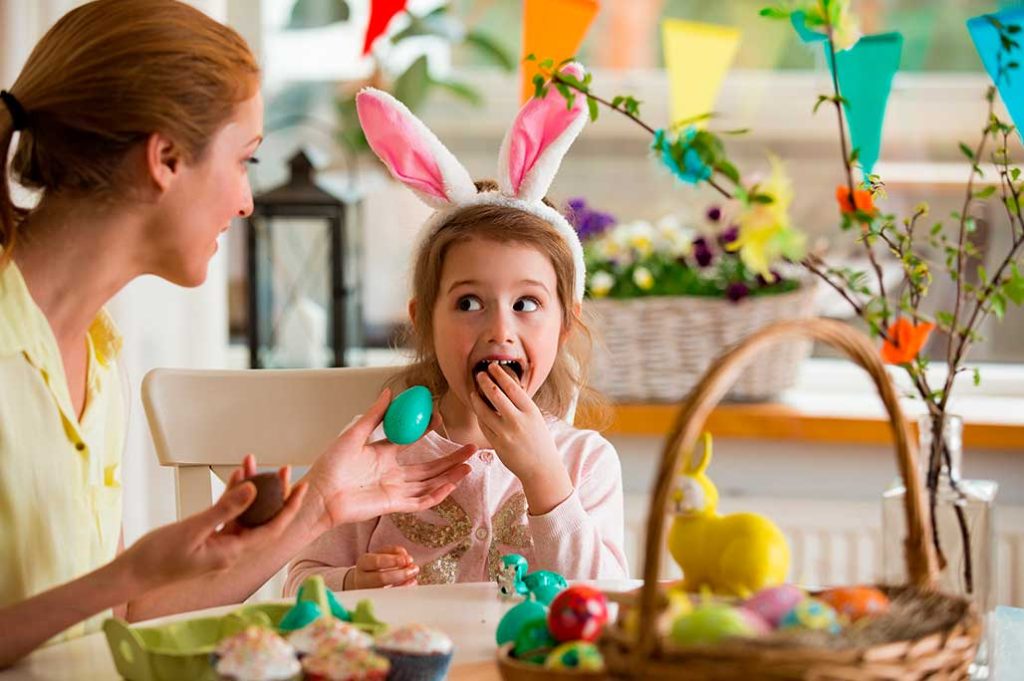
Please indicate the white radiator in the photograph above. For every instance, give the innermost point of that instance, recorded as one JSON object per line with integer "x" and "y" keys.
{"x": 838, "y": 542}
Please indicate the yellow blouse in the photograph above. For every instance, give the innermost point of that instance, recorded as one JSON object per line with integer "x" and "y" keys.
{"x": 60, "y": 478}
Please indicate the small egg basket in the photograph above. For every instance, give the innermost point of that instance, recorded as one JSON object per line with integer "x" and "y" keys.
{"x": 926, "y": 634}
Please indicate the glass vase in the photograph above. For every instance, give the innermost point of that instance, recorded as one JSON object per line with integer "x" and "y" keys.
{"x": 962, "y": 513}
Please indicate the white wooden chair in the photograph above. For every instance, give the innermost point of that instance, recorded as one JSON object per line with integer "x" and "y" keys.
{"x": 207, "y": 420}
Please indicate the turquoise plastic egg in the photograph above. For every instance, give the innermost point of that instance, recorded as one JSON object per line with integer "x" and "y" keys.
{"x": 515, "y": 618}
{"x": 300, "y": 615}
{"x": 534, "y": 642}
{"x": 812, "y": 614}
{"x": 708, "y": 624}
{"x": 581, "y": 655}
{"x": 408, "y": 415}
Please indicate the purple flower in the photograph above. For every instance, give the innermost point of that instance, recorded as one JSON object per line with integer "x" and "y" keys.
{"x": 587, "y": 223}
{"x": 714, "y": 214}
{"x": 737, "y": 291}
{"x": 702, "y": 252}
{"x": 728, "y": 236}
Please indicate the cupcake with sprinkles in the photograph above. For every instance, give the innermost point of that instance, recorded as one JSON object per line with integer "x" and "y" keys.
{"x": 416, "y": 652}
{"x": 328, "y": 632}
{"x": 345, "y": 664}
{"x": 256, "y": 654}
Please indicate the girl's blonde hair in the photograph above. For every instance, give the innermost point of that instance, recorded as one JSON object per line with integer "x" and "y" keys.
{"x": 106, "y": 76}
{"x": 502, "y": 224}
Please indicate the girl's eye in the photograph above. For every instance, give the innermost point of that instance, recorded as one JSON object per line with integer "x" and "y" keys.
{"x": 526, "y": 305}
{"x": 468, "y": 304}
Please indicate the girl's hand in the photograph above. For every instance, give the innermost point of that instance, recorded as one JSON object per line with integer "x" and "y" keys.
{"x": 356, "y": 479}
{"x": 517, "y": 429}
{"x": 195, "y": 546}
{"x": 390, "y": 566}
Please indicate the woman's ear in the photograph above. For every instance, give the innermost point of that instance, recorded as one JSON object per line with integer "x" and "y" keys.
{"x": 164, "y": 160}
{"x": 412, "y": 311}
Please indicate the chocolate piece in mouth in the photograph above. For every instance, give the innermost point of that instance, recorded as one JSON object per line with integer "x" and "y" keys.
{"x": 512, "y": 367}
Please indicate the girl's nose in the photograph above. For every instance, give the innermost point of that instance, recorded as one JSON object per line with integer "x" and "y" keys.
{"x": 499, "y": 330}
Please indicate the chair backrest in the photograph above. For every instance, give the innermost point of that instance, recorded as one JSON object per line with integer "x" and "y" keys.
{"x": 203, "y": 420}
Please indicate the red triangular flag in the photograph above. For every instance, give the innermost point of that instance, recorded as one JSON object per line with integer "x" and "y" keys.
{"x": 381, "y": 14}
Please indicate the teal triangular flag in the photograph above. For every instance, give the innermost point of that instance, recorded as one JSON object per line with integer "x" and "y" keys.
{"x": 865, "y": 80}
{"x": 987, "y": 42}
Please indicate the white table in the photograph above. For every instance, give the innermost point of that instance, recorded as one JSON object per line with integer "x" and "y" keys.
{"x": 469, "y": 613}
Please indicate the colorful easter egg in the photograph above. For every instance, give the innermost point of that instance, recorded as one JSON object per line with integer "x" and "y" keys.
{"x": 758, "y": 625}
{"x": 408, "y": 415}
{"x": 579, "y": 613}
{"x": 855, "y": 602}
{"x": 534, "y": 642}
{"x": 516, "y": 617}
{"x": 580, "y": 655}
{"x": 812, "y": 614}
{"x": 773, "y": 603}
{"x": 709, "y": 623}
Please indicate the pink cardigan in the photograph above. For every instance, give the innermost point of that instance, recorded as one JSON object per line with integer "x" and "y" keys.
{"x": 462, "y": 538}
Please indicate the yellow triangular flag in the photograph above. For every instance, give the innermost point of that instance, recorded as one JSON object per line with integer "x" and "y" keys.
{"x": 552, "y": 29}
{"x": 697, "y": 57}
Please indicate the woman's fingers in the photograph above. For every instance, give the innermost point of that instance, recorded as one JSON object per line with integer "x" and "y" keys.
{"x": 249, "y": 465}
{"x": 426, "y": 471}
{"x": 230, "y": 505}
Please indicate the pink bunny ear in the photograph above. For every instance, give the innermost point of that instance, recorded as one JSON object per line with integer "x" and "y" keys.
{"x": 538, "y": 139}
{"x": 411, "y": 151}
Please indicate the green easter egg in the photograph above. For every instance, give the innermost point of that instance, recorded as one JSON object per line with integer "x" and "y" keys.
{"x": 299, "y": 616}
{"x": 546, "y": 593}
{"x": 515, "y": 618}
{"x": 708, "y": 624}
{"x": 581, "y": 655}
{"x": 534, "y": 642}
{"x": 408, "y": 416}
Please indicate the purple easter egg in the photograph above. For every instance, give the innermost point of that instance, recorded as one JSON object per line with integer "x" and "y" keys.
{"x": 773, "y": 603}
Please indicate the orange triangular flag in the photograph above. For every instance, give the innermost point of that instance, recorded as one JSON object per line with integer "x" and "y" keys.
{"x": 552, "y": 29}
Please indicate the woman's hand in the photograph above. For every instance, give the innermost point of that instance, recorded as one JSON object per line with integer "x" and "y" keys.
{"x": 209, "y": 541}
{"x": 390, "y": 566}
{"x": 517, "y": 429}
{"x": 356, "y": 479}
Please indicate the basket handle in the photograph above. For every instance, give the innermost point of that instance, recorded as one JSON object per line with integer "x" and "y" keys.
{"x": 918, "y": 550}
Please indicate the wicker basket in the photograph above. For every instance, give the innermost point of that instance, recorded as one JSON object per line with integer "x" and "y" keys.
{"x": 656, "y": 349}
{"x": 943, "y": 632}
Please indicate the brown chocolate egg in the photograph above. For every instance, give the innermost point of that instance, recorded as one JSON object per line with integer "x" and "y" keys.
{"x": 268, "y": 502}
{"x": 855, "y": 602}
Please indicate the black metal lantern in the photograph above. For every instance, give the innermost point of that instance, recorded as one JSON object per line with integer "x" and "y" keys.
{"x": 303, "y": 307}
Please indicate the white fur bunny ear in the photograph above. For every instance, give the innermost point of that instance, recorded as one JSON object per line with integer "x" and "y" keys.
{"x": 538, "y": 139}
{"x": 411, "y": 151}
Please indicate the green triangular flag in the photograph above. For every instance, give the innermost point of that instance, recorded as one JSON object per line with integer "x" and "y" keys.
{"x": 865, "y": 80}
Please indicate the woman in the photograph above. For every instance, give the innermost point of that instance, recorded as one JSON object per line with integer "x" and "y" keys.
{"x": 136, "y": 122}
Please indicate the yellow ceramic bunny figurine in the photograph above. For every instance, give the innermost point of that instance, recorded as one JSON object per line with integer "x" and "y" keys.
{"x": 736, "y": 554}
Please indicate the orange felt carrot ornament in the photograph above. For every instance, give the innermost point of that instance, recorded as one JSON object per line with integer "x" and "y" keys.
{"x": 905, "y": 340}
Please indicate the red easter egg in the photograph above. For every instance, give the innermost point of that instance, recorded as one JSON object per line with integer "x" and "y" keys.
{"x": 856, "y": 602}
{"x": 578, "y": 614}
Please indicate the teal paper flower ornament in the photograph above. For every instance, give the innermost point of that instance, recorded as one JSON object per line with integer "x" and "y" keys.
{"x": 680, "y": 157}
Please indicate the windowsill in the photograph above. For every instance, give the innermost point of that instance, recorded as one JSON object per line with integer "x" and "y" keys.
{"x": 833, "y": 402}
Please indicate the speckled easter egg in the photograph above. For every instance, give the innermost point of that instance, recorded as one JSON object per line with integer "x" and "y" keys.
{"x": 580, "y": 655}
{"x": 579, "y": 613}
{"x": 855, "y": 602}
{"x": 515, "y": 618}
{"x": 534, "y": 642}
{"x": 408, "y": 415}
{"x": 773, "y": 603}
{"x": 812, "y": 614}
{"x": 709, "y": 623}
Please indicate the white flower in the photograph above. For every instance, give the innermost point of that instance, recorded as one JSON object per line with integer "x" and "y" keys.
{"x": 643, "y": 278}
{"x": 601, "y": 283}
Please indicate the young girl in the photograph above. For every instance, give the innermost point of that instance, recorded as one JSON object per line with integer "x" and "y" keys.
{"x": 497, "y": 286}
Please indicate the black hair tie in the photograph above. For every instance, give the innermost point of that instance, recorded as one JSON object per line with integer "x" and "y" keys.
{"x": 18, "y": 116}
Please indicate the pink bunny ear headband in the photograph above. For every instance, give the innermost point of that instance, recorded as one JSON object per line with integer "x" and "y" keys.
{"x": 530, "y": 155}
